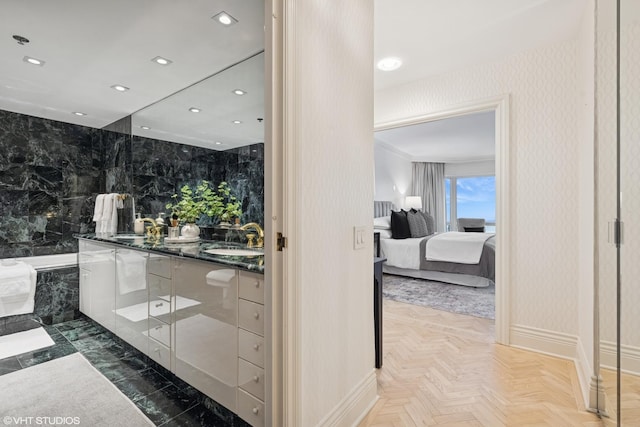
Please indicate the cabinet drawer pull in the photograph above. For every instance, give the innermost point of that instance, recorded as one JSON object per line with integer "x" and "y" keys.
{"x": 255, "y": 410}
{"x": 158, "y": 328}
{"x": 256, "y": 347}
{"x": 159, "y": 305}
{"x": 256, "y": 378}
{"x": 256, "y": 315}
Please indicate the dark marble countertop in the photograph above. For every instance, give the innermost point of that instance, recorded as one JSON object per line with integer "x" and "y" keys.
{"x": 254, "y": 263}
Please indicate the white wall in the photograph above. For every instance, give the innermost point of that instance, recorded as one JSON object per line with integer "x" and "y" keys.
{"x": 328, "y": 134}
{"x": 393, "y": 175}
{"x": 586, "y": 202}
{"x": 544, "y": 171}
{"x": 483, "y": 168}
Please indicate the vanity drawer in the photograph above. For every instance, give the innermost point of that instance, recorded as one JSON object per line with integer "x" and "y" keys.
{"x": 251, "y": 347}
{"x": 250, "y": 316}
{"x": 160, "y": 331}
{"x": 250, "y": 409}
{"x": 251, "y": 378}
{"x": 158, "y": 286}
{"x": 159, "y": 265}
{"x": 251, "y": 287}
{"x": 160, "y": 353}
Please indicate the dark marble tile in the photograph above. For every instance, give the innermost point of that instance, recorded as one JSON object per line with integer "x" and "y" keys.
{"x": 47, "y": 178}
{"x": 198, "y": 416}
{"x": 44, "y": 355}
{"x": 42, "y": 202}
{"x": 104, "y": 342}
{"x": 9, "y": 364}
{"x": 118, "y": 369}
{"x": 142, "y": 384}
{"x": 14, "y": 203}
{"x": 82, "y": 332}
{"x": 82, "y": 322}
{"x": 15, "y": 177}
{"x": 167, "y": 403}
{"x": 15, "y": 229}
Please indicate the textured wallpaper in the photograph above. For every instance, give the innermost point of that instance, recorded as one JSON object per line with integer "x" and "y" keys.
{"x": 544, "y": 169}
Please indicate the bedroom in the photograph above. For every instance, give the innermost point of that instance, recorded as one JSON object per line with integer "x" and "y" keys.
{"x": 462, "y": 151}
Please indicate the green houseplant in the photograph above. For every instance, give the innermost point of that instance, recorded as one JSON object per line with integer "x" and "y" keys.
{"x": 203, "y": 200}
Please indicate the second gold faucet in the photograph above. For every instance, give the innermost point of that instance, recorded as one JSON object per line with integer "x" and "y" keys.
{"x": 260, "y": 242}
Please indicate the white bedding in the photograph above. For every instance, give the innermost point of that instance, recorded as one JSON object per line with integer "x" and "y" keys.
{"x": 461, "y": 248}
{"x": 401, "y": 253}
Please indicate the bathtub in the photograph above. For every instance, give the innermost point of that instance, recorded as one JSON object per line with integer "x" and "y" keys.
{"x": 48, "y": 262}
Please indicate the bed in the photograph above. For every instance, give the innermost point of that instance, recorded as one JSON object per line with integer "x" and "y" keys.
{"x": 408, "y": 257}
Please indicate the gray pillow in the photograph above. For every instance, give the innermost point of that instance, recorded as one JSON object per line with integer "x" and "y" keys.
{"x": 431, "y": 224}
{"x": 417, "y": 224}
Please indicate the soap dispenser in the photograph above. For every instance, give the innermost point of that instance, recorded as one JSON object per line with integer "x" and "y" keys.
{"x": 138, "y": 224}
{"x": 160, "y": 222}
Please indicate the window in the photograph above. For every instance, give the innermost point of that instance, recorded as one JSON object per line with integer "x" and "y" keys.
{"x": 471, "y": 197}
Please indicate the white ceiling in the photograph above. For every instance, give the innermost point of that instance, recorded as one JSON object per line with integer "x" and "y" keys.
{"x": 454, "y": 140}
{"x": 90, "y": 45}
{"x": 433, "y": 37}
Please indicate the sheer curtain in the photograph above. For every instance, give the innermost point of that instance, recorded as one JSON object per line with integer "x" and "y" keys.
{"x": 428, "y": 182}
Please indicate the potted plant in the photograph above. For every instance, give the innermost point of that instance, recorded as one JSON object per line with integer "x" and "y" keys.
{"x": 193, "y": 203}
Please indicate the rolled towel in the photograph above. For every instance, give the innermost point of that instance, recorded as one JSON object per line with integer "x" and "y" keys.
{"x": 17, "y": 279}
{"x": 98, "y": 208}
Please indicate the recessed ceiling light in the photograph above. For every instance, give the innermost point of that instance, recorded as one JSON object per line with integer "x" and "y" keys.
{"x": 224, "y": 18}
{"x": 34, "y": 61}
{"x": 237, "y": 122}
{"x": 120, "y": 88}
{"x": 194, "y": 110}
{"x": 145, "y": 127}
{"x": 389, "y": 64}
{"x": 78, "y": 113}
{"x": 218, "y": 143}
{"x": 162, "y": 61}
{"x": 239, "y": 92}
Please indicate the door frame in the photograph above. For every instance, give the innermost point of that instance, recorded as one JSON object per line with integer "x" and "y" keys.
{"x": 500, "y": 105}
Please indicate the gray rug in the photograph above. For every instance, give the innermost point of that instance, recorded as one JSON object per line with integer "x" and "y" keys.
{"x": 68, "y": 387}
{"x": 478, "y": 302}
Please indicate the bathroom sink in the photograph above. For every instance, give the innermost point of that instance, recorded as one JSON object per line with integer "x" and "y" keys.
{"x": 127, "y": 236}
{"x": 234, "y": 251}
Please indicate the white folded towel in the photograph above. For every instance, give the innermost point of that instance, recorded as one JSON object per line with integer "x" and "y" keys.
{"x": 132, "y": 271}
{"x": 99, "y": 207}
{"x": 220, "y": 278}
{"x": 17, "y": 279}
{"x": 115, "y": 203}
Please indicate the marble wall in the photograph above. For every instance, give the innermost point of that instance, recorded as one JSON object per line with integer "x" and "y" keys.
{"x": 57, "y": 295}
{"x": 51, "y": 172}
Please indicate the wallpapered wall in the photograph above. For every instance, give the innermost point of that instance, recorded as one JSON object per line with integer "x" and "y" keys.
{"x": 543, "y": 203}
{"x": 50, "y": 173}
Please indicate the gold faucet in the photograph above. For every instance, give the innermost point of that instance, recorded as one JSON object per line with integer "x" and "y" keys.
{"x": 260, "y": 242}
{"x": 154, "y": 230}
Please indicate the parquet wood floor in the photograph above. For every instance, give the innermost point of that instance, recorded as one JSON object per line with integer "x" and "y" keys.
{"x": 630, "y": 398}
{"x": 444, "y": 369}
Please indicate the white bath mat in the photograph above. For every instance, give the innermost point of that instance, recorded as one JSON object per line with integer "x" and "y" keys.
{"x": 23, "y": 342}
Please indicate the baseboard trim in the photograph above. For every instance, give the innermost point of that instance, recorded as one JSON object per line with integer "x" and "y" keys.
{"x": 588, "y": 383}
{"x": 544, "y": 341}
{"x": 355, "y": 405}
{"x": 629, "y": 357}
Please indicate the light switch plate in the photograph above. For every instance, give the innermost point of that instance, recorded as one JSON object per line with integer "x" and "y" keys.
{"x": 359, "y": 233}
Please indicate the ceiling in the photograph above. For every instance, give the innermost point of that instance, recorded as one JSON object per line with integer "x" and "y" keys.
{"x": 90, "y": 45}
{"x": 433, "y": 37}
{"x": 454, "y": 140}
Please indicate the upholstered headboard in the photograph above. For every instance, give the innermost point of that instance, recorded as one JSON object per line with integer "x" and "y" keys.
{"x": 382, "y": 208}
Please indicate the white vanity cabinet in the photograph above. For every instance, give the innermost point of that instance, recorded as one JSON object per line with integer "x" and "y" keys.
{"x": 205, "y": 338}
{"x": 251, "y": 351}
{"x": 131, "y": 297}
{"x": 160, "y": 309}
{"x": 97, "y": 282}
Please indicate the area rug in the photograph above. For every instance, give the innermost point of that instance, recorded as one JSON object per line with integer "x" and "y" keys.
{"x": 478, "y": 302}
{"x": 66, "y": 391}
{"x": 23, "y": 342}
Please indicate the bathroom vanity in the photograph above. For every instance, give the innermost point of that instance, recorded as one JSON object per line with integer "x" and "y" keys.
{"x": 199, "y": 315}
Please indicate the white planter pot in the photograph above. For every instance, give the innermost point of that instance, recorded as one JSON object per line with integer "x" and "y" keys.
{"x": 190, "y": 230}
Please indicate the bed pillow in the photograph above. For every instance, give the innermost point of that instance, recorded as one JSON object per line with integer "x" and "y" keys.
{"x": 384, "y": 234}
{"x": 382, "y": 223}
{"x": 431, "y": 224}
{"x": 400, "y": 225}
{"x": 474, "y": 229}
{"x": 417, "y": 224}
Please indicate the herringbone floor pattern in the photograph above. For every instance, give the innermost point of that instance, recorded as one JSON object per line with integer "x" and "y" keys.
{"x": 444, "y": 369}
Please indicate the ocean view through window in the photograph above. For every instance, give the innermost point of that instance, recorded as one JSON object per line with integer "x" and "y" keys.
{"x": 474, "y": 197}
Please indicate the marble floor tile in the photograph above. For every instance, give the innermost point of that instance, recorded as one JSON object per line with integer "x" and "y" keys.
{"x": 142, "y": 384}
{"x": 165, "y": 404}
{"x": 10, "y": 364}
{"x": 198, "y": 416}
